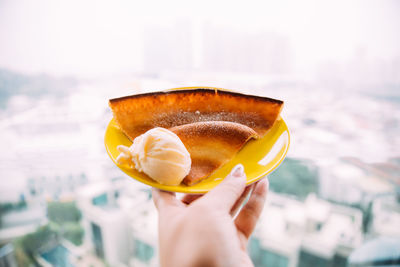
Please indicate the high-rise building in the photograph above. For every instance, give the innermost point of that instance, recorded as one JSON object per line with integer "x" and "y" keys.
{"x": 168, "y": 47}
{"x": 120, "y": 223}
{"x": 312, "y": 233}
{"x": 106, "y": 225}
{"x": 7, "y": 256}
{"x": 230, "y": 50}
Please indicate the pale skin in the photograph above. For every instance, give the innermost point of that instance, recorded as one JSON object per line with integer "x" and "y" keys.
{"x": 199, "y": 231}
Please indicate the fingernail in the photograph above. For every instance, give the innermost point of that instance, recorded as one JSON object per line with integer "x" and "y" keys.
{"x": 238, "y": 171}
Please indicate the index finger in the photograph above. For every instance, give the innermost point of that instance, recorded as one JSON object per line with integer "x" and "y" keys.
{"x": 248, "y": 216}
{"x": 224, "y": 195}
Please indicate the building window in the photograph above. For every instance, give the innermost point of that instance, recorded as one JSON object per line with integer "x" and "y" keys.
{"x": 97, "y": 240}
{"x": 339, "y": 261}
{"x": 263, "y": 257}
{"x": 83, "y": 178}
{"x": 33, "y": 192}
{"x": 100, "y": 200}
{"x": 269, "y": 258}
{"x": 255, "y": 250}
{"x": 307, "y": 259}
{"x": 144, "y": 252}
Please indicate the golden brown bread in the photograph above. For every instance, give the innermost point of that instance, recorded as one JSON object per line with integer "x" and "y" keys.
{"x": 213, "y": 124}
{"x": 139, "y": 113}
{"x": 211, "y": 144}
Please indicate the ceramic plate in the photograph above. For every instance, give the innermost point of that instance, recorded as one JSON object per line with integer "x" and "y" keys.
{"x": 259, "y": 158}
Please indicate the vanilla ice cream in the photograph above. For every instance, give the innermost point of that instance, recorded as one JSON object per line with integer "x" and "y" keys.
{"x": 160, "y": 154}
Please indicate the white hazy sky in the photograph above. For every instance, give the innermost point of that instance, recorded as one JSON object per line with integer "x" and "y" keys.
{"x": 100, "y": 37}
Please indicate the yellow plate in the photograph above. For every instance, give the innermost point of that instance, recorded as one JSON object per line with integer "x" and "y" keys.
{"x": 259, "y": 158}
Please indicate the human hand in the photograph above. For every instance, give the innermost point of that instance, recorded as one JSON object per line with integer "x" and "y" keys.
{"x": 199, "y": 230}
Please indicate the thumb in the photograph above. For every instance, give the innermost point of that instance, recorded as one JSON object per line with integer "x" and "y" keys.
{"x": 164, "y": 200}
{"x": 228, "y": 191}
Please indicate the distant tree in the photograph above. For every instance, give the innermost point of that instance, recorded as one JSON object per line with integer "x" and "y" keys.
{"x": 64, "y": 223}
{"x": 294, "y": 177}
{"x": 43, "y": 235}
{"x": 66, "y": 216}
{"x": 73, "y": 232}
{"x": 29, "y": 245}
{"x": 62, "y": 212}
{"x": 14, "y": 83}
{"x": 21, "y": 257}
{"x": 9, "y": 206}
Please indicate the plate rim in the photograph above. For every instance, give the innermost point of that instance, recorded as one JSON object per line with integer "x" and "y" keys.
{"x": 188, "y": 189}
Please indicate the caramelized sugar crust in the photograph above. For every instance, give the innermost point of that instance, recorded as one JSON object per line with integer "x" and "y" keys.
{"x": 139, "y": 113}
{"x": 211, "y": 144}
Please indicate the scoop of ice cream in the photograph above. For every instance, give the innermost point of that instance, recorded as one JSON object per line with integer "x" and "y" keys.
{"x": 160, "y": 154}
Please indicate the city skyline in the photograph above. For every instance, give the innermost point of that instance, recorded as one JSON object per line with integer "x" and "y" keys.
{"x": 106, "y": 39}
{"x": 335, "y": 64}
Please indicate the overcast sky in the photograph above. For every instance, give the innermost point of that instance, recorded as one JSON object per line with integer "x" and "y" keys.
{"x": 97, "y": 37}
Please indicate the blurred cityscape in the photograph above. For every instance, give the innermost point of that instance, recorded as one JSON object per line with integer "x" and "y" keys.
{"x": 64, "y": 203}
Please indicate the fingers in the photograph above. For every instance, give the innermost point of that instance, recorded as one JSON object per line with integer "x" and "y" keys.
{"x": 248, "y": 216}
{"x": 228, "y": 191}
{"x": 240, "y": 202}
{"x": 164, "y": 200}
{"x": 188, "y": 199}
